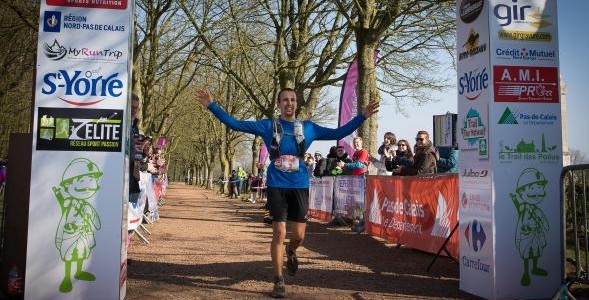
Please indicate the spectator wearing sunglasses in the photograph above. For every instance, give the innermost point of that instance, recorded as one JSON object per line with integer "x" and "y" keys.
{"x": 425, "y": 158}
{"x": 403, "y": 156}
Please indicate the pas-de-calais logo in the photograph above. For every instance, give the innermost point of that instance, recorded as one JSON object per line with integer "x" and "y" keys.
{"x": 109, "y": 4}
{"x": 526, "y": 84}
{"x": 472, "y": 46}
{"x": 80, "y": 88}
{"x": 511, "y": 117}
{"x": 55, "y": 51}
{"x": 470, "y": 10}
{"x": 475, "y": 235}
{"x": 472, "y": 84}
{"x": 52, "y": 21}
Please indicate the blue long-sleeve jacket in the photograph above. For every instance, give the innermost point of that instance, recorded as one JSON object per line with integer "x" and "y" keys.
{"x": 288, "y": 144}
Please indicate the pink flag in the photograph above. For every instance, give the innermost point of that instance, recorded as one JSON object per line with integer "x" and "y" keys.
{"x": 162, "y": 142}
{"x": 263, "y": 155}
{"x": 348, "y": 107}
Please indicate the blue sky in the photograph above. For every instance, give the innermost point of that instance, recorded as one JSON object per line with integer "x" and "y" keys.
{"x": 574, "y": 69}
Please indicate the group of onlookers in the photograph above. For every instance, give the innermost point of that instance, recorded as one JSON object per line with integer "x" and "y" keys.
{"x": 395, "y": 158}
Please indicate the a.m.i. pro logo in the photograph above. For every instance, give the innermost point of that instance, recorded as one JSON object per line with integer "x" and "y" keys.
{"x": 475, "y": 235}
{"x": 52, "y": 21}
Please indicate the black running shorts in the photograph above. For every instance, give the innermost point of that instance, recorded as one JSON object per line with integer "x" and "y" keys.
{"x": 286, "y": 204}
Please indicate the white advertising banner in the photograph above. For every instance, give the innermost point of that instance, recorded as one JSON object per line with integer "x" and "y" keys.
{"x": 349, "y": 196}
{"x": 77, "y": 217}
{"x": 519, "y": 213}
{"x": 321, "y": 197}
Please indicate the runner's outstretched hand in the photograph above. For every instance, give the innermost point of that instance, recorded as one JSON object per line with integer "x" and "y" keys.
{"x": 204, "y": 97}
{"x": 370, "y": 109}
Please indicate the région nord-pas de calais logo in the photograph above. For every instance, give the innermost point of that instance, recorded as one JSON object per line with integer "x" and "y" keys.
{"x": 472, "y": 84}
{"x": 512, "y": 117}
{"x": 526, "y": 15}
{"x": 470, "y": 10}
{"x": 56, "y": 51}
{"x": 526, "y": 84}
{"x": 472, "y": 46}
{"x": 52, "y": 21}
{"x": 525, "y": 54}
{"x": 109, "y": 4}
{"x": 82, "y": 88}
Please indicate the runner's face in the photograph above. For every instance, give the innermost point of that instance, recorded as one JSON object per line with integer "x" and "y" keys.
{"x": 287, "y": 105}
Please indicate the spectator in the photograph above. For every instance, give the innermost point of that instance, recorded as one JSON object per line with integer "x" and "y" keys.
{"x": 386, "y": 150}
{"x": 425, "y": 157}
{"x": 241, "y": 177}
{"x": 321, "y": 168}
{"x": 341, "y": 158}
{"x": 233, "y": 180}
{"x": 309, "y": 163}
{"x": 448, "y": 160}
{"x": 403, "y": 156}
{"x": 360, "y": 161}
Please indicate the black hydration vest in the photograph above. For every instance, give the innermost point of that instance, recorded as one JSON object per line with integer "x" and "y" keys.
{"x": 274, "y": 149}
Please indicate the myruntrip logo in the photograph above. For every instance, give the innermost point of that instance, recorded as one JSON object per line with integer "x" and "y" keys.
{"x": 56, "y": 51}
{"x": 470, "y": 10}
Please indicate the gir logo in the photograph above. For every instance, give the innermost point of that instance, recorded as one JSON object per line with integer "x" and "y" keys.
{"x": 52, "y": 21}
{"x": 475, "y": 235}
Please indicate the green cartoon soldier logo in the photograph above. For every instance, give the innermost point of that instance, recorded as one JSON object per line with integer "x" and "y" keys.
{"x": 74, "y": 238}
{"x": 530, "y": 237}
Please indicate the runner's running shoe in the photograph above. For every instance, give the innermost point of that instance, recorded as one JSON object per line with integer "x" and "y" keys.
{"x": 279, "y": 290}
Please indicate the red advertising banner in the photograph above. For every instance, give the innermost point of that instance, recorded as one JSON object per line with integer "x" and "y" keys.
{"x": 418, "y": 212}
{"x": 108, "y": 4}
{"x": 526, "y": 84}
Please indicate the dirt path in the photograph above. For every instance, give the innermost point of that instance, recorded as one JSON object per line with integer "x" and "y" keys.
{"x": 206, "y": 246}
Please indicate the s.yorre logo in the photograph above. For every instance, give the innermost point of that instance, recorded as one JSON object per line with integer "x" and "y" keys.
{"x": 78, "y": 87}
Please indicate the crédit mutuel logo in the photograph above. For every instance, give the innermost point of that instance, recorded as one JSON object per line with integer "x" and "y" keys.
{"x": 472, "y": 46}
{"x": 56, "y": 51}
{"x": 516, "y": 13}
{"x": 525, "y": 54}
{"x": 82, "y": 88}
{"x": 512, "y": 117}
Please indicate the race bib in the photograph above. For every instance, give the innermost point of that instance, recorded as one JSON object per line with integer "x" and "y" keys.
{"x": 287, "y": 163}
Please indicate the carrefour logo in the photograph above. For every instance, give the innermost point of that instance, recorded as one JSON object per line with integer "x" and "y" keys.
{"x": 471, "y": 84}
{"x": 82, "y": 88}
{"x": 475, "y": 235}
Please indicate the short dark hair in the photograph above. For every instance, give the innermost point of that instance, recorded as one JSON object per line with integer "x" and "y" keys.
{"x": 285, "y": 90}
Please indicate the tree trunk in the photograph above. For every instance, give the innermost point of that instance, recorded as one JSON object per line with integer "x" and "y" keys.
{"x": 366, "y": 92}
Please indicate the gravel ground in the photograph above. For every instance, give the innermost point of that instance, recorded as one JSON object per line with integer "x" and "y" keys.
{"x": 206, "y": 246}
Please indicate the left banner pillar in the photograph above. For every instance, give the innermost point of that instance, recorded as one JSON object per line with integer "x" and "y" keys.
{"x": 79, "y": 180}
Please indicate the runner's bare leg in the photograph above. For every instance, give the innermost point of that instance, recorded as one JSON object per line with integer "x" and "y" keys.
{"x": 298, "y": 235}
{"x": 277, "y": 247}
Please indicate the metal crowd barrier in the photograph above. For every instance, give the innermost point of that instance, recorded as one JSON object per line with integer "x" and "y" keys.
{"x": 574, "y": 185}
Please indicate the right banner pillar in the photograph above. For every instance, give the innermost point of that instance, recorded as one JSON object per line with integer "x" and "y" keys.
{"x": 510, "y": 136}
